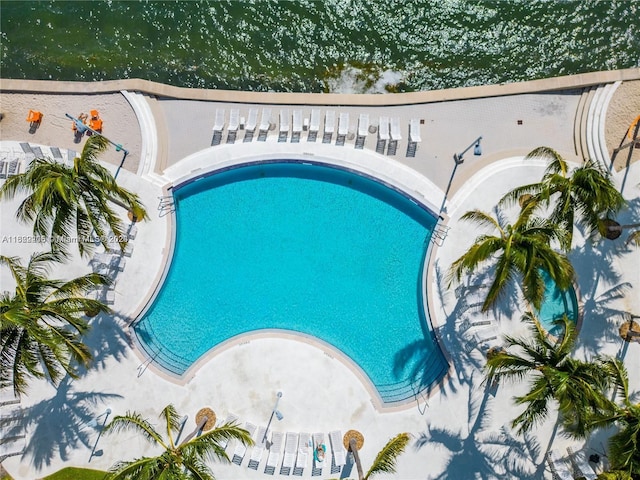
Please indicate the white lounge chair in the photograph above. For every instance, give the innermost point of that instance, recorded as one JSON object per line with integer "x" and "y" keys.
{"x": 133, "y": 231}
{"x": 329, "y": 125}
{"x": 395, "y": 129}
{"x": 258, "y": 449}
{"x": 275, "y": 450}
{"x": 57, "y": 155}
{"x": 304, "y": 447}
{"x": 483, "y": 336}
{"x": 290, "y": 447}
{"x": 284, "y": 120}
{"x": 343, "y": 128}
{"x": 218, "y": 125}
{"x": 109, "y": 297}
{"x": 581, "y": 464}
{"x": 252, "y": 120}
{"x": 363, "y": 125}
{"x": 284, "y": 125}
{"x": 559, "y": 467}
{"x": 318, "y": 439}
{"x": 265, "y": 120}
{"x": 13, "y": 168}
{"x": 103, "y": 258}
{"x": 314, "y": 124}
{"x": 234, "y": 124}
{"x": 231, "y": 418}
{"x": 234, "y": 120}
{"x": 339, "y": 455}
{"x": 363, "y": 130}
{"x": 240, "y": 451}
{"x": 383, "y": 134}
{"x": 329, "y": 121}
{"x": 297, "y": 126}
{"x": 414, "y": 130}
{"x": 250, "y": 126}
{"x": 115, "y": 249}
{"x": 265, "y": 124}
{"x": 297, "y": 121}
{"x": 343, "y": 123}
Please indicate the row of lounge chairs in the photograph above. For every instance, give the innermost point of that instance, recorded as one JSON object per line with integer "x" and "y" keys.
{"x": 295, "y": 122}
{"x": 12, "y": 432}
{"x": 297, "y": 455}
{"x": 110, "y": 263}
{"x": 14, "y": 161}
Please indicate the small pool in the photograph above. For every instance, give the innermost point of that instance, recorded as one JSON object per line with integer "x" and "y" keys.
{"x": 557, "y": 303}
{"x": 305, "y": 248}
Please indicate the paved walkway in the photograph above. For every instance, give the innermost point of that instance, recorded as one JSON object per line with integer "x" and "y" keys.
{"x": 461, "y": 431}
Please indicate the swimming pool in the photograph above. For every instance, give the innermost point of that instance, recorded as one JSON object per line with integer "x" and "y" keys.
{"x": 556, "y": 303}
{"x": 305, "y": 248}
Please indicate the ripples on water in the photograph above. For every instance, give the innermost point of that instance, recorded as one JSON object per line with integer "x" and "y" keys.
{"x": 311, "y": 46}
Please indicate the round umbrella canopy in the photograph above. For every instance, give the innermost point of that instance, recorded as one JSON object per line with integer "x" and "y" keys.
{"x": 630, "y": 331}
{"x": 353, "y": 434}
{"x": 211, "y": 418}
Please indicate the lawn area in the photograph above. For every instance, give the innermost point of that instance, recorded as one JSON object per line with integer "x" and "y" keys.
{"x": 72, "y": 473}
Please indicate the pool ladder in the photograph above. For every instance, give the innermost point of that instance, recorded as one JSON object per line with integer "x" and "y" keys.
{"x": 144, "y": 365}
{"x": 421, "y": 396}
{"x": 166, "y": 205}
{"x": 439, "y": 234}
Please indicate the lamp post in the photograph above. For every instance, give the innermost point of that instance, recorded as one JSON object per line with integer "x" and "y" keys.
{"x": 94, "y": 423}
{"x": 275, "y": 412}
{"x": 83, "y": 128}
{"x": 476, "y": 151}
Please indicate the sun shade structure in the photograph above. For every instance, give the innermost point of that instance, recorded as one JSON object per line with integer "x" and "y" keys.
{"x": 211, "y": 418}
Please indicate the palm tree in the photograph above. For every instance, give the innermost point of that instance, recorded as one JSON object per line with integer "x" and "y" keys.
{"x": 520, "y": 252}
{"x": 634, "y": 237}
{"x": 41, "y": 323}
{"x": 586, "y": 194}
{"x": 385, "y": 461}
{"x": 624, "y": 446}
{"x": 181, "y": 462}
{"x": 554, "y": 375}
{"x": 63, "y": 201}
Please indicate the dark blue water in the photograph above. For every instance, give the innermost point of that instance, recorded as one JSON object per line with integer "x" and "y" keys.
{"x": 312, "y": 46}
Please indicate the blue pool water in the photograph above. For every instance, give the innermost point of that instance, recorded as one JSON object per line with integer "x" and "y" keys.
{"x": 304, "y": 248}
{"x": 557, "y": 303}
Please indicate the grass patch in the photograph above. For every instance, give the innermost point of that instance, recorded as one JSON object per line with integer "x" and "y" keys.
{"x": 5, "y": 476}
{"x": 73, "y": 473}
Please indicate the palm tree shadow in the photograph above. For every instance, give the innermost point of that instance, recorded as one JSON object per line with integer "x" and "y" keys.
{"x": 415, "y": 361}
{"x": 483, "y": 453}
{"x": 63, "y": 423}
{"x": 602, "y": 293}
{"x": 107, "y": 339}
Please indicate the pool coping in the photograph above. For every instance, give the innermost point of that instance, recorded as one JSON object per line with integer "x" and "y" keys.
{"x": 183, "y": 173}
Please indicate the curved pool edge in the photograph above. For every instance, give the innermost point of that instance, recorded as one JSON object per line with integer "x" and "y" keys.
{"x": 394, "y": 175}
{"x": 326, "y": 348}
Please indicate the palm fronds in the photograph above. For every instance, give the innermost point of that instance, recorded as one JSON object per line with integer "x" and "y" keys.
{"x": 185, "y": 461}
{"x": 65, "y": 202}
{"x": 385, "y": 461}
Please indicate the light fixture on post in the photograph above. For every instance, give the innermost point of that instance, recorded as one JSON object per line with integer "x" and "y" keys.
{"x": 275, "y": 412}
{"x": 119, "y": 148}
{"x": 477, "y": 150}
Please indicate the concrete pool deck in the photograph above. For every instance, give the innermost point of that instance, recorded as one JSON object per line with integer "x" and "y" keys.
{"x": 461, "y": 430}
